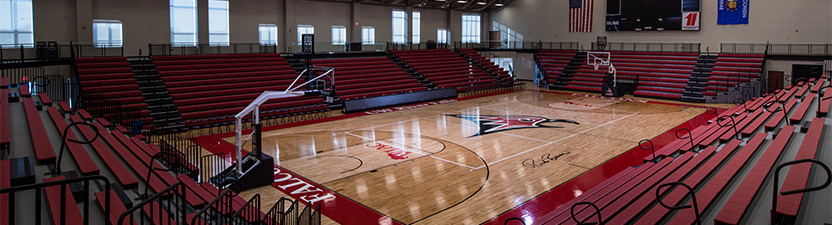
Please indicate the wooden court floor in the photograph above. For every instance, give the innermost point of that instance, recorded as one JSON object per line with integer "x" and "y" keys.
{"x": 464, "y": 162}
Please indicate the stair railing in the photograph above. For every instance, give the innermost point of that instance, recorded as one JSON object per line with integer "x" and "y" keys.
{"x": 821, "y": 98}
{"x": 151, "y": 170}
{"x": 597, "y": 212}
{"x": 741, "y": 101}
{"x": 250, "y": 210}
{"x": 733, "y": 124}
{"x": 689, "y": 137}
{"x": 514, "y": 219}
{"x": 281, "y": 213}
{"x": 57, "y": 171}
{"x": 690, "y": 192}
{"x": 780, "y": 108}
{"x": 38, "y": 187}
{"x": 798, "y": 191}
{"x": 641, "y": 145}
{"x": 176, "y": 206}
{"x": 211, "y": 165}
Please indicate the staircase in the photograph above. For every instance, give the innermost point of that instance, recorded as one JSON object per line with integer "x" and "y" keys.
{"x": 411, "y": 71}
{"x": 164, "y": 112}
{"x": 294, "y": 61}
{"x": 698, "y": 79}
{"x": 570, "y": 69}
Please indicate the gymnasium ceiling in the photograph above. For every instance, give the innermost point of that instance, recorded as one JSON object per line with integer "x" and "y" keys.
{"x": 462, "y": 5}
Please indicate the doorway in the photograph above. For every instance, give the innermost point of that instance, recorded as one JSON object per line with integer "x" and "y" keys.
{"x": 774, "y": 81}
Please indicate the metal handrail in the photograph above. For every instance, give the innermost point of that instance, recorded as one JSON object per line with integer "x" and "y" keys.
{"x": 63, "y": 183}
{"x": 784, "y": 193}
{"x": 597, "y": 212}
{"x": 690, "y": 192}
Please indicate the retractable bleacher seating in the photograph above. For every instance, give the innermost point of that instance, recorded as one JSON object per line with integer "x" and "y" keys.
{"x": 446, "y": 69}
{"x": 369, "y": 77}
{"x": 554, "y": 62}
{"x": 731, "y": 70}
{"x": 726, "y": 180}
{"x": 486, "y": 64}
{"x": 659, "y": 74}
{"x": 209, "y": 89}
{"x": 113, "y": 78}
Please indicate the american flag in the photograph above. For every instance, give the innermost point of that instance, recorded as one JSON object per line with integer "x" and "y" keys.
{"x": 580, "y": 15}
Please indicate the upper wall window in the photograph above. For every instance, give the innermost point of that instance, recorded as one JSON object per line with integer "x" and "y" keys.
{"x": 107, "y": 33}
{"x": 368, "y": 35}
{"x": 339, "y": 35}
{"x": 268, "y": 34}
{"x": 218, "y": 22}
{"x": 399, "y": 27}
{"x": 304, "y": 29}
{"x": 16, "y": 26}
{"x": 442, "y": 36}
{"x": 470, "y": 28}
{"x": 417, "y": 27}
{"x": 183, "y": 29}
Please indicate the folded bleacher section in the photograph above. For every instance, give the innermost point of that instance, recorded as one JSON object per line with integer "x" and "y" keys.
{"x": 733, "y": 70}
{"x": 210, "y": 89}
{"x": 446, "y": 69}
{"x": 362, "y": 77}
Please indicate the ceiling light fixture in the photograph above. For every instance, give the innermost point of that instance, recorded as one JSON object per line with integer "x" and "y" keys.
{"x": 499, "y": 3}
{"x": 481, "y": 2}
{"x": 461, "y": 1}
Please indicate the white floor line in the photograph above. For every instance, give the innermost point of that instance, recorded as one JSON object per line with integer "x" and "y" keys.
{"x": 564, "y": 138}
{"x": 406, "y": 149}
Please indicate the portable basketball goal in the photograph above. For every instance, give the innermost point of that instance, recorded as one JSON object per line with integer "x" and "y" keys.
{"x": 319, "y": 80}
{"x": 598, "y": 59}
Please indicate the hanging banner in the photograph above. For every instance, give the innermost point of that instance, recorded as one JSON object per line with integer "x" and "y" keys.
{"x": 732, "y": 12}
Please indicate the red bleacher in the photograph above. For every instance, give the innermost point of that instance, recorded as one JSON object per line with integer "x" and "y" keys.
{"x": 798, "y": 175}
{"x": 40, "y": 140}
{"x": 736, "y": 206}
{"x": 665, "y": 74}
{"x": 486, "y": 63}
{"x": 85, "y": 163}
{"x": 216, "y": 86}
{"x": 732, "y": 69}
{"x": 433, "y": 65}
{"x": 369, "y": 77}
{"x": 113, "y": 77}
{"x": 53, "y": 196}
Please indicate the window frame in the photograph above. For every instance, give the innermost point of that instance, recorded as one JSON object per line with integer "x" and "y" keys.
{"x": 416, "y": 32}
{"x": 18, "y": 28}
{"x": 271, "y": 30}
{"x": 471, "y": 28}
{"x": 342, "y": 37}
{"x": 109, "y": 42}
{"x": 305, "y": 27}
{"x": 212, "y": 24}
{"x": 173, "y": 34}
{"x": 402, "y": 37}
{"x": 368, "y": 39}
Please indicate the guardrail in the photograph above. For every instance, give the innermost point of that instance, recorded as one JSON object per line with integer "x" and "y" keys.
{"x": 21, "y": 52}
{"x": 209, "y": 49}
{"x": 531, "y": 45}
{"x": 650, "y": 47}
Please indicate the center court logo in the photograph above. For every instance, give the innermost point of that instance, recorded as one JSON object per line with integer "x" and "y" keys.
{"x": 493, "y": 124}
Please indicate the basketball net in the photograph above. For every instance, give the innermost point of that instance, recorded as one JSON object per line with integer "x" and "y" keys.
{"x": 596, "y": 63}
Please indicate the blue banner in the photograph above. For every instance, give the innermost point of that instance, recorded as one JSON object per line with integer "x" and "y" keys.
{"x": 732, "y": 12}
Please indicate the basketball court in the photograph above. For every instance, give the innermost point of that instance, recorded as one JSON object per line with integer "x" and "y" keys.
{"x": 459, "y": 160}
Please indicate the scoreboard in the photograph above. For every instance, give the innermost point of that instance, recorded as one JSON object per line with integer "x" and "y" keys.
{"x": 652, "y": 15}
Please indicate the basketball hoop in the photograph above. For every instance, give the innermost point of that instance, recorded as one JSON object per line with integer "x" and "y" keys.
{"x": 598, "y": 59}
